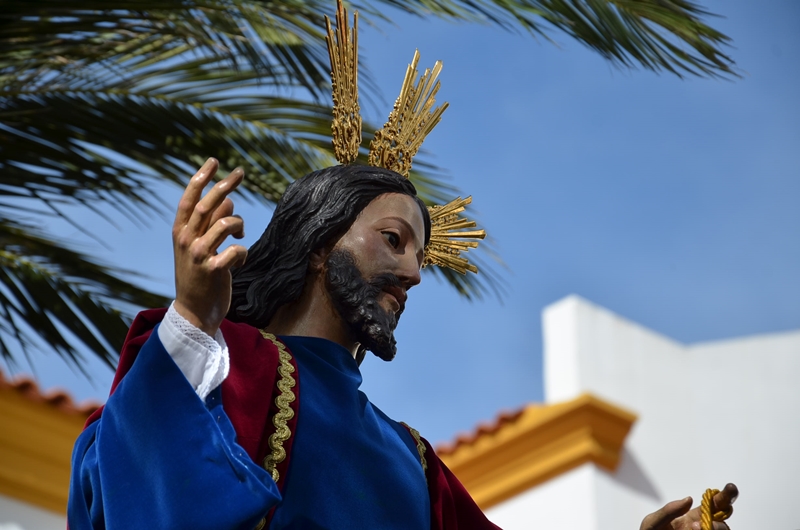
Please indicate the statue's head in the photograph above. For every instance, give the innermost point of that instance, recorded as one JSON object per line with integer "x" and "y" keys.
{"x": 369, "y": 228}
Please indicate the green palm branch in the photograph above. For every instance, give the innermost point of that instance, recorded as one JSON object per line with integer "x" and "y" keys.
{"x": 45, "y": 287}
{"x": 98, "y": 103}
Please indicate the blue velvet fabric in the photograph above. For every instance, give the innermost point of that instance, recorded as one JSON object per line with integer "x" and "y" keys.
{"x": 352, "y": 467}
{"x": 161, "y": 458}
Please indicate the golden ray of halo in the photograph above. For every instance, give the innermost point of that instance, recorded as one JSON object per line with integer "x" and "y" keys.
{"x": 449, "y": 239}
{"x": 343, "y": 51}
{"x": 410, "y": 121}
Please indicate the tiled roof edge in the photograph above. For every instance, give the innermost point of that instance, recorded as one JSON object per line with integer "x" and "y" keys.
{"x": 482, "y": 429}
{"x": 58, "y": 399}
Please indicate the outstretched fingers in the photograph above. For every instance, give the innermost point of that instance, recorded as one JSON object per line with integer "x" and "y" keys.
{"x": 223, "y": 210}
{"x": 233, "y": 256}
{"x": 205, "y": 209}
{"x": 207, "y": 245}
{"x": 202, "y": 275}
{"x": 194, "y": 190}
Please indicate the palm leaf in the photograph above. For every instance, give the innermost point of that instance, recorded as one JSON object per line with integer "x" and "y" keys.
{"x": 659, "y": 35}
{"x": 52, "y": 292}
{"x": 72, "y": 38}
{"x": 166, "y": 129}
{"x": 100, "y": 102}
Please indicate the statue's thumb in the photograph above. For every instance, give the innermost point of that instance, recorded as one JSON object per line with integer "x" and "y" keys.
{"x": 661, "y": 518}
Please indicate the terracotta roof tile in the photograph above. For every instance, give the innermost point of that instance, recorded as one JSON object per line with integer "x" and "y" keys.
{"x": 481, "y": 430}
{"x": 58, "y": 399}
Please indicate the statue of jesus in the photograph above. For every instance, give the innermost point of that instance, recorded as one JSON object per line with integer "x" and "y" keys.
{"x": 189, "y": 434}
{"x": 239, "y": 406}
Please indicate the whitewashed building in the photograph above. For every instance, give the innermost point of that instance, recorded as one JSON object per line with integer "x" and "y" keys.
{"x": 705, "y": 414}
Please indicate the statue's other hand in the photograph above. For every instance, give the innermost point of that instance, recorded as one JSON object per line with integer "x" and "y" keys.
{"x": 202, "y": 223}
{"x": 676, "y": 515}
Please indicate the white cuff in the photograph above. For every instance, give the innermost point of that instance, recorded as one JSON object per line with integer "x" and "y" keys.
{"x": 204, "y": 361}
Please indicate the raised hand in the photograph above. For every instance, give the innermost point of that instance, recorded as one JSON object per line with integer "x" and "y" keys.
{"x": 202, "y": 275}
{"x": 676, "y": 515}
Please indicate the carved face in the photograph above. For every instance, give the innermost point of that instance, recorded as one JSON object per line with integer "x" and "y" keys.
{"x": 373, "y": 265}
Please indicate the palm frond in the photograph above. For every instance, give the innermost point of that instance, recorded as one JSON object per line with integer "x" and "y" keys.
{"x": 159, "y": 136}
{"x": 659, "y": 35}
{"x": 59, "y": 295}
{"x": 279, "y": 41}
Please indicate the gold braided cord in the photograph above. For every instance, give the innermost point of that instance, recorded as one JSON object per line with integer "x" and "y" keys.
{"x": 285, "y": 412}
{"x": 420, "y": 445}
{"x": 412, "y": 118}
{"x": 706, "y": 518}
{"x": 448, "y": 237}
{"x": 343, "y": 51}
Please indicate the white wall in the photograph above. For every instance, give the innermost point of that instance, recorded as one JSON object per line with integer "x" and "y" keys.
{"x": 711, "y": 413}
{"x": 566, "y": 501}
{"x": 17, "y": 515}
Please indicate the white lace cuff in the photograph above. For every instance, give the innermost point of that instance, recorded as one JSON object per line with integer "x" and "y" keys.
{"x": 203, "y": 360}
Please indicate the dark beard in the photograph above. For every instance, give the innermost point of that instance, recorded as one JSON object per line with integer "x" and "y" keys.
{"x": 356, "y": 300}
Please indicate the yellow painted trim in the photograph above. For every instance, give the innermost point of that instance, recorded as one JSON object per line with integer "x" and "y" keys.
{"x": 36, "y": 442}
{"x": 541, "y": 443}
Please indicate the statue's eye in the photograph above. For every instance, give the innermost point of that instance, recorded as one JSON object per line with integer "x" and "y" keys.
{"x": 392, "y": 238}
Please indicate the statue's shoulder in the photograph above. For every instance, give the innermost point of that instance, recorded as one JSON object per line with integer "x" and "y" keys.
{"x": 146, "y": 321}
{"x": 239, "y": 331}
{"x": 235, "y": 333}
{"x": 248, "y": 345}
{"x": 241, "y": 339}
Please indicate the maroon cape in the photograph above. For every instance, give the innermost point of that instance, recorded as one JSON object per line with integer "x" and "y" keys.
{"x": 248, "y": 396}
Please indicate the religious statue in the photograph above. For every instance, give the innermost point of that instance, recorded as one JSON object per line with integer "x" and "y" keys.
{"x": 239, "y": 406}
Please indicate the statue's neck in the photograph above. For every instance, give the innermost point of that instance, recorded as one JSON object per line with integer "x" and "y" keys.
{"x": 312, "y": 315}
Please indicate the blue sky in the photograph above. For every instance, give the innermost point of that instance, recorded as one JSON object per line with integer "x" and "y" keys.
{"x": 675, "y": 203}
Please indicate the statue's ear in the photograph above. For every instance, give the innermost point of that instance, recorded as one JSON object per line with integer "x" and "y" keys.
{"x": 317, "y": 259}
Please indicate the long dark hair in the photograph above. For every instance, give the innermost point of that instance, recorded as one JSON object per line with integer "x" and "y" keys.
{"x": 314, "y": 211}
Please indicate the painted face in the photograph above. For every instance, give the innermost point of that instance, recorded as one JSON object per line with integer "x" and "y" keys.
{"x": 372, "y": 266}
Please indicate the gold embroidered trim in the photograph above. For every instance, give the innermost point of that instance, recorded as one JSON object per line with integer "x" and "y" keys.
{"x": 285, "y": 412}
{"x": 420, "y": 445}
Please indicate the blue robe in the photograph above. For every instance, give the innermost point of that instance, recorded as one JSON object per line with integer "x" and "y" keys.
{"x": 160, "y": 457}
